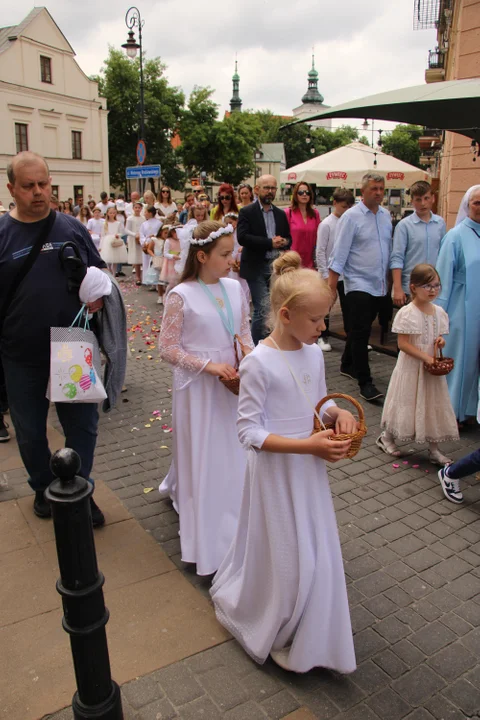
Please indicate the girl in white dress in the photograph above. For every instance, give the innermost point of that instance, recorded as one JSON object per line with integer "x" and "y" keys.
{"x": 171, "y": 255}
{"x": 418, "y": 407}
{"x": 148, "y": 232}
{"x": 95, "y": 226}
{"x": 132, "y": 228}
{"x": 202, "y": 315}
{"x": 156, "y": 249}
{"x": 281, "y": 588}
{"x": 232, "y": 218}
{"x": 112, "y": 248}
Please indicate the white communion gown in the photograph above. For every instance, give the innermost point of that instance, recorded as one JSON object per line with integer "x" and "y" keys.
{"x": 205, "y": 479}
{"x": 282, "y": 584}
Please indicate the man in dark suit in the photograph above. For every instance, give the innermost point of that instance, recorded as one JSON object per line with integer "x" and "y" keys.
{"x": 264, "y": 233}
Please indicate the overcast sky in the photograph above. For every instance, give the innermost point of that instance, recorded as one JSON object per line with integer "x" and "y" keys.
{"x": 360, "y": 47}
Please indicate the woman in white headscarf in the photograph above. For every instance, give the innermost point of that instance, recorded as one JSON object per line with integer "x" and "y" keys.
{"x": 458, "y": 265}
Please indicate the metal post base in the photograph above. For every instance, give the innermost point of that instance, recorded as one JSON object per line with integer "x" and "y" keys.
{"x": 111, "y": 709}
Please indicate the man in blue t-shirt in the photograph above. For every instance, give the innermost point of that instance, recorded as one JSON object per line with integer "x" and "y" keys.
{"x": 42, "y": 300}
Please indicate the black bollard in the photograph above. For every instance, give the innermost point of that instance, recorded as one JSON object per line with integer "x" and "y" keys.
{"x": 80, "y": 585}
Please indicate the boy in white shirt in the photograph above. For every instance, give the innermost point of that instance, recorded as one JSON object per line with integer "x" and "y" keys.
{"x": 342, "y": 200}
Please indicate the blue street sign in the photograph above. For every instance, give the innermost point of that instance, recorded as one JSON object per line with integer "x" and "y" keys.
{"x": 144, "y": 171}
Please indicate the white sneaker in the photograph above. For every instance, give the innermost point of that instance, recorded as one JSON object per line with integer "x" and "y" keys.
{"x": 369, "y": 348}
{"x": 325, "y": 346}
{"x": 160, "y": 301}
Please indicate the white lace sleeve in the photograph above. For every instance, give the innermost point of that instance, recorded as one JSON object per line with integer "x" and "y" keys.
{"x": 245, "y": 334}
{"x": 169, "y": 341}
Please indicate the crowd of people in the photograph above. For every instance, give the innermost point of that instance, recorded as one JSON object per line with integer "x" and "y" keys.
{"x": 248, "y": 478}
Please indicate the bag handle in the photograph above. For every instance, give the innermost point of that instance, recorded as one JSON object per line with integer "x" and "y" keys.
{"x": 27, "y": 266}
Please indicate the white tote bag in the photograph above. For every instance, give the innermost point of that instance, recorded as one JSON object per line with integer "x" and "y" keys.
{"x": 75, "y": 364}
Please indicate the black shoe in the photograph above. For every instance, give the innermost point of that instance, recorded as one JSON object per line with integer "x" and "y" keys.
{"x": 98, "y": 518}
{"x": 348, "y": 372}
{"x": 4, "y": 434}
{"x": 369, "y": 392}
{"x": 41, "y": 507}
{"x": 120, "y": 274}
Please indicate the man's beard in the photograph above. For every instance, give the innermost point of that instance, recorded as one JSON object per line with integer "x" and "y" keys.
{"x": 267, "y": 200}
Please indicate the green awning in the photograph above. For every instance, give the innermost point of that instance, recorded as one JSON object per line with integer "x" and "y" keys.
{"x": 453, "y": 105}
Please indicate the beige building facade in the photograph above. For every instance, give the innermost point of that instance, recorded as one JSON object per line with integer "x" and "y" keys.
{"x": 459, "y": 55}
{"x": 48, "y": 105}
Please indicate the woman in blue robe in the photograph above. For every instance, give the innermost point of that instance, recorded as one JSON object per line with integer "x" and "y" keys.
{"x": 458, "y": 265}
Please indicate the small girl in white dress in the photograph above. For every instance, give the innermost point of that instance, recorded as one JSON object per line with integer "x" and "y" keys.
{"x": 171, "y": 255}
{"x": 281, "y": 589}
{"x": 132, "y": 228}
{"x": 202, "y": 315}
{"x": 417, "y": 406}
{"x": 112, "y": 248}
{"x": 232, "y": 218}
{"x": 155, "y": 248}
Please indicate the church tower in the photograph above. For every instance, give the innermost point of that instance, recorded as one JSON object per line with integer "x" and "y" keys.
{"x": 236, "y": 102}
{"x": 313, "y": 95}
{"x": 312, "y": 101}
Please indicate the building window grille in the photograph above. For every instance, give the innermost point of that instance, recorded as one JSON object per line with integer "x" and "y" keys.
{"x": 21, "y": 137}
{"x": 46, "y": 69}
{"x": 76, "y": 145}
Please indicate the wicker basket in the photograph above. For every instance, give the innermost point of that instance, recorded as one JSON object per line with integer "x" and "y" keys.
{"x": 440, "y": 365}
{"x": 234, "y": 385}
{"x": 355, "y": 437}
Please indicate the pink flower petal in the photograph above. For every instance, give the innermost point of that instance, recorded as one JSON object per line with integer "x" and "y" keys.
{"x": 395, "y": 465}
{"x": 405, "y": 462}
{"x": 415, "y": 466}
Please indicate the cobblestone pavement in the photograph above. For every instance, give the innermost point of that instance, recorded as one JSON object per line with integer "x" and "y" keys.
{"x": 412, "y": 562}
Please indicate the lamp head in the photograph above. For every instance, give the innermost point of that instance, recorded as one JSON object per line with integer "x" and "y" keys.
{"x": 131, "y": 46}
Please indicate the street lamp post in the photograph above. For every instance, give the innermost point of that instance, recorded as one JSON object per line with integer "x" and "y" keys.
{"x": 134, "y": 19}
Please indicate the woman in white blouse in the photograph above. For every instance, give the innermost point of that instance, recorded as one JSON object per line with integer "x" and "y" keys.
{"x": 165, "y": 205}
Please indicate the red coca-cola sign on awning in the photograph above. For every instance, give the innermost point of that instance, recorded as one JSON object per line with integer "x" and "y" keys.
{"x": 395, "y": 176}
{"x": 292, "y": 176}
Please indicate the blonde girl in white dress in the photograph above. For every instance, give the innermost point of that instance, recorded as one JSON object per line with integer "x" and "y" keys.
{"x": 132, "y": 228}
{"x": 202, "y": 314}
{"x": 281, "y": 589}
{"x": 112, "y": 248}
{"x": 417, "y": 406}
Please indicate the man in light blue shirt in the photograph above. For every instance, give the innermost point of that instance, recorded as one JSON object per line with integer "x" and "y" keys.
{"x": 362, "y": 254}
{"x": 416, "y": 240}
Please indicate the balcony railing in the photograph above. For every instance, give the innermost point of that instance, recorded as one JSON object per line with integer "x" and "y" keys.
{"x": 436, "y": 59}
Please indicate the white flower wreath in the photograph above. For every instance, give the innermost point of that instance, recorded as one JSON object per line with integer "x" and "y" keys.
{"x": 227, "y": 230}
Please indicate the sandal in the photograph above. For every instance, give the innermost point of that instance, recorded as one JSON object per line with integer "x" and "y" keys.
{"x": 436, "y": 458}
{"x": 387, "y": 446}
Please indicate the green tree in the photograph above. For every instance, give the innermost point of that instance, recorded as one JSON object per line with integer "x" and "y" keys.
{"x": 197, "y": 129}
{"x": 237, "y": 137}
{"x": 119, "y": 82}
{"x": 402, "y": 143}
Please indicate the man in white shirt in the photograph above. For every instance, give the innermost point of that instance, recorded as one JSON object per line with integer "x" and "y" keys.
{"x": 342, "y": 200}
{"x": 134, "y": 198}
{"x": 104, "y": 203}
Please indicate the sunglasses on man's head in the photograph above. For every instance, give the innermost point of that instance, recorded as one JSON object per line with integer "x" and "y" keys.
{"x": 303, "y": 192}
{"x": 225, "y": 197}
